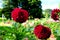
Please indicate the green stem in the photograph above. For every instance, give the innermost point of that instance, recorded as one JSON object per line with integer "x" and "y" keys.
{"x": 17, "y": 33}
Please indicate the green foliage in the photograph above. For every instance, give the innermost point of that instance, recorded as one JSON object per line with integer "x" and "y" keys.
{"x": 14, "y": 3}
{"x": 34, "y": 8}
{"x": 58, "y": 38}
{"x": 2, "y": 19}
{"x": 18, "y": 32}
{"x": 7, "y": 12}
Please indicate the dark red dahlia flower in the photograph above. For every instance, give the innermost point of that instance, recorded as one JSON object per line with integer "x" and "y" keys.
{"x": 55, "y": 14}
{"x": 42, "y": 32}
{"x": 19, "y": 15}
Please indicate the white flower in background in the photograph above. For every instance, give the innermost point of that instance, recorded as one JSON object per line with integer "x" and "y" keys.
{"x": 31, "y": 23}
{"x": 51, "y": 20}
{"x": 36, "y": 19}
{"x": 25, "y": 39}
{"x": 5, "y": 24}
{"x": 24, "y": 24}
{"x": 52, "y": 37}
{"x": 27, "y": 21}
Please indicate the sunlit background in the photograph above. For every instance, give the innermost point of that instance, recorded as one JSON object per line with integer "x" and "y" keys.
{"x": 1, "y": 4}
{"x": 50, "y": 4}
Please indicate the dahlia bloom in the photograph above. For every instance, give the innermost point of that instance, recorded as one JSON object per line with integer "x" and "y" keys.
{"x": 42, "y": 32}
{"x": 55, "y": 14}
{"x": 19, "y": 15}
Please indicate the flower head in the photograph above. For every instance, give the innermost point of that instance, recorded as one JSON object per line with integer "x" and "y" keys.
{"x": 55, "y": 14}
{"x": 42, "y": 32}
{"x": 19, "y": 15}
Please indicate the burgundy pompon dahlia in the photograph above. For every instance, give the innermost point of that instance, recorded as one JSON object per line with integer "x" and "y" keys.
{"x": 42, "y": 32}
{"x": 19, "y": 15}
{"x": 55, "y": 14}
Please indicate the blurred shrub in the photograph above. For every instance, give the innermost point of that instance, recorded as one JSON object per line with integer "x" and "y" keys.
{"x": 2, "y": 19}
{"x": 47, "y": 13}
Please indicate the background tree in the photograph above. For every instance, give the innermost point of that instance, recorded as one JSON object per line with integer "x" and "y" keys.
{"x": 34, "y": 7}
